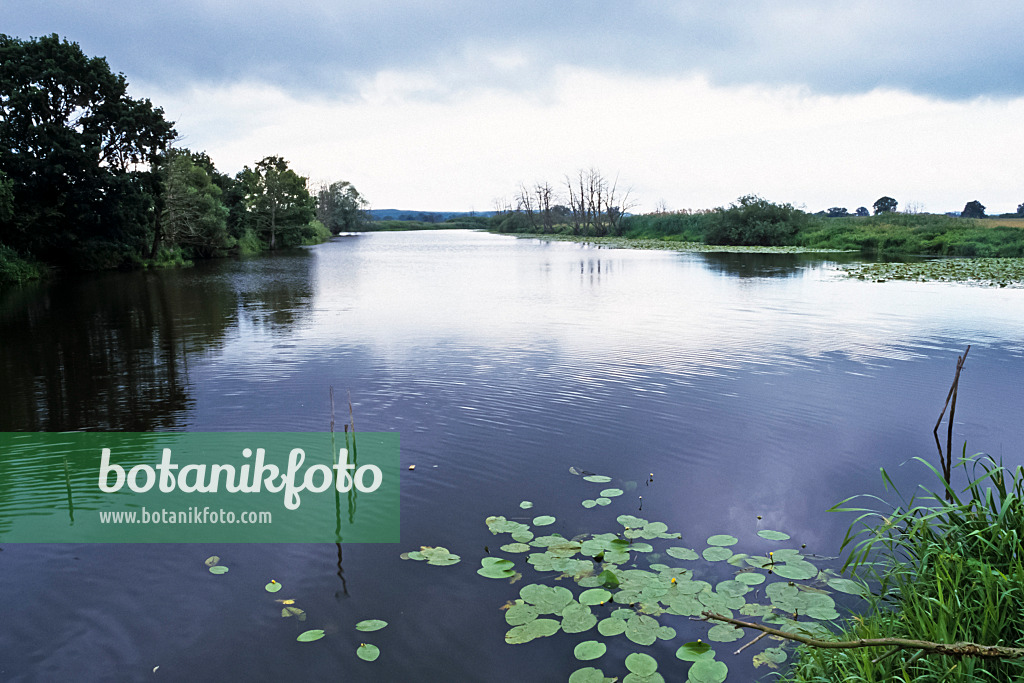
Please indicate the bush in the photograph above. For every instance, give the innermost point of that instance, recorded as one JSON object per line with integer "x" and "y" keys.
{"x": 753, "y": 221}
{"x": 14, "y": 269}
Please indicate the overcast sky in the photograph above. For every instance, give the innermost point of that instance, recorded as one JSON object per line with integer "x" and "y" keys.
{"x": 451, "y": 104}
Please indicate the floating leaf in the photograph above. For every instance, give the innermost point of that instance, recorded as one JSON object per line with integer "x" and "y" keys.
{"x": 547, "y": 599}
{"x": 595, "y": 596}
{"x": 218, "y": 569}
{"x": 543, "y": 520}
{"x": 577, "y": 618}
{"x": 723, "y": 539}
{"x": 587, "y": 675}
{"x": 589, "y": 649}
{"x": 725, "y": 633}
{"x": 797, "y": 571}
{"x": 212, "y": 561}
{"x": 846, "y": 586}
{"x": 771, "y": 657}
{"x": 611, "y": 626}
{"x": 597, "y": 479}
{"x": 526, "y": 505}
{"x": 641, "y": 664}
{"x": 682, "y": 553}
{"x": 293, "y": 612}
{"x": 773, "y": 535}
{"x": 642, "y": 629}
{"x": 603, "y": 501}
{"x": 708, "y": 671}
{"x": 371, "y": 625}
{"x": 716, "y": 554}
{"x": 496, "y": 568}
{"x": 367, "y": 652}
{"x": 589, "y": 503}
{"x": 692, "y": 651}
{"x": 438, "y": 556}
{"x": 750, "y": 578}
{"x": 310, "y": 636}
{"x": 515, "y": 548}
{"x": 273, "y": 587}
{"x": 538, "y": 628}
{"x": 520, "y": 613}
{"x": 522, "y": 536}
{"x": 666, "y": 633}
{"x": 608, "y": 579}
{"x": 611, "y": 493}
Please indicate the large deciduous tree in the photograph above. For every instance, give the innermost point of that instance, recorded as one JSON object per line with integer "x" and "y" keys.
{"x": 193, "y": 215}
{"x": 78, "y": 152}
{"x": 277, "y": 203}
{"x": 973, "y": 210}
{"x": 885, "y": 205}
{"x": 341, "y": 208}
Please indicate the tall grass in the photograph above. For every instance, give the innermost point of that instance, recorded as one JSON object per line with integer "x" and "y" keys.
{"x": 947, "y": 571}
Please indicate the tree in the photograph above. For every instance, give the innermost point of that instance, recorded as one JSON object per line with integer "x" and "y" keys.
{"x": 1020, "y": 209}
{"x": 77, "y": 150}
{"x": 973, "y": 210}
{"x": 885, "y": 205}
{"x": 276, "y": 201}
{"x": 193, "y": 215}
{"x": 596, "y": 205}
{"x": 837, "y": 212}
{"x": 862, "y": 211}
{"x": 753, "y": 221}
{"x": 341, "y": 208}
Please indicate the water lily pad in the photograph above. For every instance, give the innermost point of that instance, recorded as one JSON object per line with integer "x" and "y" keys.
{"x": 597, "y": 479}
{"x": 603, "y": 501}
{"x": 212, "y": 561}
{"x": 750, "y": 578}
{"x": 610, "y": 626}
{"x": 522, "y": 536}
{"x": 595, "y": 596}
{"x": 725, "y": 633}
{"x": 589, "y": 503}
{"x": 218, "y": 569}
{"x": 543, "y": 520}
{"x": 367, "y": 652}
{"x": 547, "y": 599}
{"x": 273, "y": 587}
{"x": 520, "y": 613}
{"x": 682, "y": 553}
{"x": 310, "y": 636}
{"x": 692, "y": 651}
{"x": 708, "y": 671}
{"x": 515, "y": 548}
{"x": 608, "y": 579}
{"x": 722, "y": 540}
{"x": 538, "y": 628}
{"x": 846, "y": 586}
{"x": 526, "y": 505}
{"x": 773, "y": 535}
{"x": 439, "y": 556}
{"x": 666, "y": 633}
{"x": 642, "y": 629}
{"x": 716, "y": 554}
{"x": 587, "y": 675}
{"x": 611, "y": 493}
{"x": 496, "y": 568}
{"x": 771, "y": 657}
{"x": 641, "y": 664}
{"x": 577, "y": 618}
{"x": 589, "y": 649}
{"x": 797, "y": 571}
{"x": 371, "y": 625}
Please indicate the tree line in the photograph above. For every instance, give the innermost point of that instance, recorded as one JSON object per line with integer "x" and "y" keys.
{"x": 90, "y": 177}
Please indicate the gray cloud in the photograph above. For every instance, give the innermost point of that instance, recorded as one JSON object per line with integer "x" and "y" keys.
{"x": 950, "y": 50}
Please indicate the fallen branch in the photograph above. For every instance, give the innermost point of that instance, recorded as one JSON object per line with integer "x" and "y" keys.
{"x": 926, "y": 647}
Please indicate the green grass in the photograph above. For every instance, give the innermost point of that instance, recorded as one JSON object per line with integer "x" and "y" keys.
{"x": 947, "y": 571}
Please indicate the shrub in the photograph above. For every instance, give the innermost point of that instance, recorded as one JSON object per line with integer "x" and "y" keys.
{"x": 753, "y": 221}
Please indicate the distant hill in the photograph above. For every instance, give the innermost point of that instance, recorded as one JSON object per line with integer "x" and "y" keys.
{"x": 422, "y": 216}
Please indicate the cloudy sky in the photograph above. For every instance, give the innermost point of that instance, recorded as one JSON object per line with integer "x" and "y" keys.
{"x": 451, "y": 104}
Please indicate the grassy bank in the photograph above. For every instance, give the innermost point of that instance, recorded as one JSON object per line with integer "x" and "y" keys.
{"x": 948, "y": 570}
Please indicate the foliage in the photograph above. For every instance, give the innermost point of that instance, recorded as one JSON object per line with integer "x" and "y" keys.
{"x": 885, "y": 205}
{"x": 973, "y": 210}
{"x": 277, "y": 204}
{"x": 315, "y": 233}
{"x": 193, "y": 215}
{"x": 14, "y": 269}
{"x": 341, "y": 208}
{"x": 754, "y": 221}
{"x": 77, "y": 151}
{"x": 947, "y": 570}
{"x": 999, "y": 272}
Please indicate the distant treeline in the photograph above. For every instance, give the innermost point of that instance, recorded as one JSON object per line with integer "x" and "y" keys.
{"x": 89, "y": 179}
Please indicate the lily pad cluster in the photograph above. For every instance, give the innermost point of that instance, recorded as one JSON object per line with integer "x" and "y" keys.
{"x": 997, "y": 272}
{"x": 637, "y": 581}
